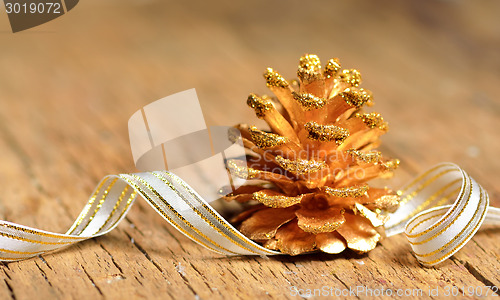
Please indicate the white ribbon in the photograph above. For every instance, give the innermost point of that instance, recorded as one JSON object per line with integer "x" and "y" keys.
{"x": 169, "y": 196}
{"x": 435, "y": 230}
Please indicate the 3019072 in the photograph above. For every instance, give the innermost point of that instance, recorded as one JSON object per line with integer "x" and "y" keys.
{"x": 33, "y": 8}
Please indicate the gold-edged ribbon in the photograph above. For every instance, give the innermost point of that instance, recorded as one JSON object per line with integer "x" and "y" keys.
{"x": 165, "y": 192}
{"x": 441, "y": 210}
{"x": 439, "y": 213}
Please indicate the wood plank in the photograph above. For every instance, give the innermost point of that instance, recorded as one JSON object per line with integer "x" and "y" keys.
{"x": 68, "y": 88}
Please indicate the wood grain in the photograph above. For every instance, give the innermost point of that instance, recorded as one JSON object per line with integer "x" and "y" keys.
{"x": 68, "y": 87}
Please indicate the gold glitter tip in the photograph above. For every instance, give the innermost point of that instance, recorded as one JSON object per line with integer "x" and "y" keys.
{"x": 332, "y": 68}
{"x": 300, "y": 166}
{"x": 355, "y": 97}
{"x": 239, "y": 169}
{"x": 309, "y": 101}
{"x": 351, "y": 77}
{"x": 274, "y": 79}
{"x": 323, "y": 221}
{"x": 276, "y": 201}
{"x": 309, "y": 68}
{"x": 373, "y": 120}
{"x": 367, "y": 157}
{"x": 310, "y": 62}
{"x": 260, "y": 105}
{"x": 266, "y": 140}
{"x": 326, "y": 133}
{"x": 350, "y": 191}
{"x": 369, "y": 94}
{"x": 308, "y": 75}
{"x": 391, "y": 164}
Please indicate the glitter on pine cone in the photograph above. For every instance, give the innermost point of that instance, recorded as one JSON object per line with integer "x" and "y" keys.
{"x": 307, "y": 178}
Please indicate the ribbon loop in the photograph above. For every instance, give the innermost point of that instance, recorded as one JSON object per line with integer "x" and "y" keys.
{"x": 436, "y": 229}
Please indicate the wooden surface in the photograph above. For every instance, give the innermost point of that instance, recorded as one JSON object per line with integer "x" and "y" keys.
{"x": 68, "y": 87}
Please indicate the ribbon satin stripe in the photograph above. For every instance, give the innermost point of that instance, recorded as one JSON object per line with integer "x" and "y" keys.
{"x": 169, "y": 196}
{"x": 435, "y": 228}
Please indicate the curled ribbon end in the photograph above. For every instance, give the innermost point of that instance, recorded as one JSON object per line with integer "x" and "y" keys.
{"x": 441, "y": 210}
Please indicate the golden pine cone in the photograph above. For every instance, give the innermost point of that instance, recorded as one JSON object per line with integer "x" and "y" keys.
{"x": 310, "y": 172}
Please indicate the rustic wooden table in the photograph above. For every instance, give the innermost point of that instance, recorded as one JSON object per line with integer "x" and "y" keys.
{"x": 68, "y": 87}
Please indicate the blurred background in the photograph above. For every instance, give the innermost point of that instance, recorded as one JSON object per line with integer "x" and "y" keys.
{"x": 68, "y": 87}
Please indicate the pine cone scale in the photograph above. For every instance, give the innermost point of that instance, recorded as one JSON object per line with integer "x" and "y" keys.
{"x": 314, "y": 166}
